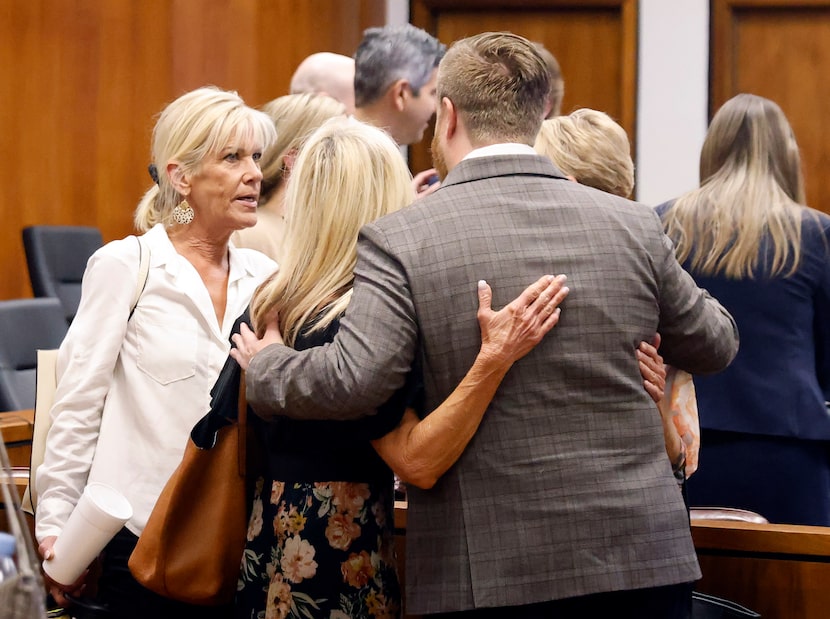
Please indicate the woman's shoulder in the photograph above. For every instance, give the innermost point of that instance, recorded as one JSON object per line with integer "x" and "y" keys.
{"x": 124, "y": 251}
{"x": 261, "y": 240}
{"x": 815, "y": 232}
{"x": 815, "y": 219}
{"x": 130, "y": 247}
{"x": 663, "y": 208}
{"x": 309, "y": 337}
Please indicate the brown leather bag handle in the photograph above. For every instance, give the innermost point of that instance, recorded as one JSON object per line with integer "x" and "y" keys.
{"x": 242, "y": 416}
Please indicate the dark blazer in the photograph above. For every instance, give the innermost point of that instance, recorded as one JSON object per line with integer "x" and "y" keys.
{"x": 566, "y": 488}
{"x": 780, "y": 379}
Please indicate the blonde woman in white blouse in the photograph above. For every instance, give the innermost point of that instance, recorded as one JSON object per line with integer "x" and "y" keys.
{"x": 131, "y": 387}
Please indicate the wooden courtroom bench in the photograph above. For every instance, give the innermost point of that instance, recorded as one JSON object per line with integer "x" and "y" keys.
{"x": 780, "y": 571}
{"x": 16, "y": 428}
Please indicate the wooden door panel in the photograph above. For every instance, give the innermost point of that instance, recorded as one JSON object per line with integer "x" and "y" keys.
{"x": 780, "y": 50}
{"x": 594, "y": 42}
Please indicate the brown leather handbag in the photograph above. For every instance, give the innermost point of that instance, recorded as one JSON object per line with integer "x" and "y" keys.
{"x": 191, "y": 548}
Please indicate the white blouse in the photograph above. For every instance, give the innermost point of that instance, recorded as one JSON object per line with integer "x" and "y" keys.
{"x": 129, "y": 392}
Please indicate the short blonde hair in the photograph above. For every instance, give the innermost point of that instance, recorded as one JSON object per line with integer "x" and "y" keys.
{"x": 346, "y": 175}
{"x": 592, "y": 148}
{"x": 198, "y": 124}
{"x": 295, "y": 117}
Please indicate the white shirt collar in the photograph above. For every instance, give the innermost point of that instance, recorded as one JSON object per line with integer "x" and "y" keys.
{"x": 509, "y": 148}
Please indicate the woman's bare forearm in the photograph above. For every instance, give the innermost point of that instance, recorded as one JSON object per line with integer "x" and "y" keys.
{"x": 420, "y": 451}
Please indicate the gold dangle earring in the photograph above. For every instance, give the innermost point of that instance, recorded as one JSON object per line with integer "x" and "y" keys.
{"x": 183, "y": 213}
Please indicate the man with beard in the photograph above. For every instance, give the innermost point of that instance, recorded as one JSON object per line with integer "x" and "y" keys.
{"x": 564, "y": 503}
{"x": 394, "y": 86}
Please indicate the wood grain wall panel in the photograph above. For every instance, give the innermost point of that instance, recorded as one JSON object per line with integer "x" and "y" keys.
{"x": 131, "y": 82}
{"x": 595, "y": 43}
{"x": 83, "y": 80}
{"x": 217, "y": 43}
{"x": 780, "y": 50}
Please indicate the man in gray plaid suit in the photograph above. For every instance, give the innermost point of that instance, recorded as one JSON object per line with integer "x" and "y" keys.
{"x": 564, "y": 503}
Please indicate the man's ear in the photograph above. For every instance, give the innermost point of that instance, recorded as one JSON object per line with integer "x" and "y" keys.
{"x": 399, "y": 93}
{"x": 450, "y": 115}
{"x": 179, "y": 180}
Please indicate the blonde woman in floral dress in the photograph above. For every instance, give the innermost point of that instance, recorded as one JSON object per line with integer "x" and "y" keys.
{"x": 320, "y": 535}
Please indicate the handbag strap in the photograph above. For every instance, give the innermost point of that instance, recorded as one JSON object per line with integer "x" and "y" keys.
{"x": 143, "y": 272}
{"x": 47, "y": 391}
{"x": 242, "y": 417}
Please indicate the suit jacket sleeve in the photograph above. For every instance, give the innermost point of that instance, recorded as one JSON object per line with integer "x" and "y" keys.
{"x": 698, "y": 334}
{"x": 366, "y": 363}
{"x": 821, "y": 309}
{"x": 822, "y": 335}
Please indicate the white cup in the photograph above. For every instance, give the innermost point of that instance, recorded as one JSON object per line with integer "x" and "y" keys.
{"x": 98, "y": 516}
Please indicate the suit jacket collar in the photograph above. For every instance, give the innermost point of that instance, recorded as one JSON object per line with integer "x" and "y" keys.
{"x": 478, "y": 168}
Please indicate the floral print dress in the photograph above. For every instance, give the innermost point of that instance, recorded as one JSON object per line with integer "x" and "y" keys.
{"x": 321, "y": 549}
{"x": 320, "y": 538}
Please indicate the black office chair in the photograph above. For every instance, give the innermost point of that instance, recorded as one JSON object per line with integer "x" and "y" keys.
{"x": 26, "y": 325}
{"x": 57, "y": 257}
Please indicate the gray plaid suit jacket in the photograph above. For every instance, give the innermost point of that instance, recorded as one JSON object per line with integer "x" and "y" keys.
{"x": 566, "y": 488}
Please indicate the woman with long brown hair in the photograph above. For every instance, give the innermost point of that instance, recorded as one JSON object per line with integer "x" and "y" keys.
{"x": 746, "y": 236}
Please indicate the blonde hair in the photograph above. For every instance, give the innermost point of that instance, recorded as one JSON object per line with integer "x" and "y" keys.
{"x": 296, "y": 117}
{"x": 751, "y": 187}
{"x": 499, "y": 84}
{"x": 591, "y": 147}
{"x": 346, "y": 175}
{"x": 198, "y": 124}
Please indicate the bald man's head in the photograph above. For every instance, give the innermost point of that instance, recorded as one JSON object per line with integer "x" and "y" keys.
{"x": 326, "y": 73}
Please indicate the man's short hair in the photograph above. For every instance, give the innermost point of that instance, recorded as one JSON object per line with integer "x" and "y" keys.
{"x": 499, "y": 85}
{"x": 390, "y": 53}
